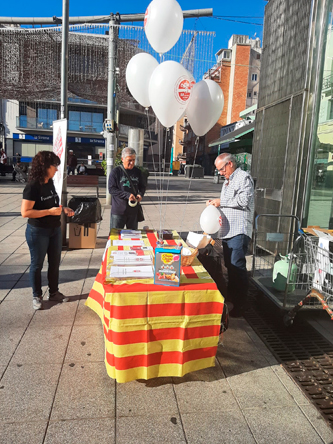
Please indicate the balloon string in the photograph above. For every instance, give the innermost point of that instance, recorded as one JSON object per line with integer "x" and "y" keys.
{"x": 189, "y": 186}
{"x": 167, "y": 190}
{"x": 162, "y": 179}
{"x": 158, "y": 186}
{"x": 152, "y": 155}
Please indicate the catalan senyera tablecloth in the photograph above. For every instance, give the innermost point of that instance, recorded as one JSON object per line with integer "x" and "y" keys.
{"x": 154, "y": 330}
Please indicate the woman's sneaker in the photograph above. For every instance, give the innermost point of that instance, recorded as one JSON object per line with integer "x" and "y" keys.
{"x": 57, "y": 297}
{"x": 37, "y": 303}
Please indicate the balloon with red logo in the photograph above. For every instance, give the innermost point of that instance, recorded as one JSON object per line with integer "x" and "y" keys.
{"x": 163, "y": 24}
{"x": 169, "y": 91}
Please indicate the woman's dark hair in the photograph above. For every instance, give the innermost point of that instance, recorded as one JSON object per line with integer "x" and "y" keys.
{"x": 41, "y": 163}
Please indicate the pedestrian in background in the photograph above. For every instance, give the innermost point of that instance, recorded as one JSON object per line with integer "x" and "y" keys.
{"x": 236, "y": 203}
{"x": 71, "y": 162}
{"x": 3, "y": 162}
{"x": 43, "y": 233}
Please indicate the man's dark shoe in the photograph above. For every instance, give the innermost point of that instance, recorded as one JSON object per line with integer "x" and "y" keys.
{"x": 57, "y": 297}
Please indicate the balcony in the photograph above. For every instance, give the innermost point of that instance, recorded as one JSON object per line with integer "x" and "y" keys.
{"x": 36, "y": 123}
{"x": 32, "y": 123}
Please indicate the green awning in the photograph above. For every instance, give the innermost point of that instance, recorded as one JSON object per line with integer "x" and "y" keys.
{"x": 239, "y": 132}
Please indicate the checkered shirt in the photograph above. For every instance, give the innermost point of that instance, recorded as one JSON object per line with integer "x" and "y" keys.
{"x": 237, "y": 205}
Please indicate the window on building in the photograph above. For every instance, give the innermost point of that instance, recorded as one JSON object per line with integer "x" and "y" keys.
{"x": 45, "y": 117}
{"x": 254, "y": 93}
{"x": 249, "y": 94}
{"x": 258, "y": 56}
{"x": 320, "y": 175}
{"x": 85, "y": 121}
{"x": 226, "y": 54}
{"x": 254, "y": 77}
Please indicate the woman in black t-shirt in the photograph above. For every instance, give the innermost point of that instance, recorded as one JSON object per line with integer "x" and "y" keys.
{"x": 43, "y": 234}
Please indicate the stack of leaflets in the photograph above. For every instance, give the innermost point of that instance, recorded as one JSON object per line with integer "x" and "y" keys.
{"x": 145, "y": 272}
{"x": 128, "y": 243}
{"x": 130, "y": 234}
{"x": 131, "y": 258}
{"x": 136, "y": 263}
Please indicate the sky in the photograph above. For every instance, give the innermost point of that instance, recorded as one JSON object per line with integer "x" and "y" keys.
{"x": 229, "y": 17}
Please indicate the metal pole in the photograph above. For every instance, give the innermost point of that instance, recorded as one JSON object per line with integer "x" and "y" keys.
{"x": 63, "y": 103}
{"x": 111, "y": 139}
{"x": 96, "y": 18}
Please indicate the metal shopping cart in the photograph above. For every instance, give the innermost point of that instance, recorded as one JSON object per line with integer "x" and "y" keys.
{"x": 314, "y": 261}
{"x": 20, "y": 175}
{"x": 292, "y": 267}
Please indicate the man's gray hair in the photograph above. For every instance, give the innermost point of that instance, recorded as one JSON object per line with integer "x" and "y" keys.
{"x": 128, "y": 152}
{"x": 227, "y": 157}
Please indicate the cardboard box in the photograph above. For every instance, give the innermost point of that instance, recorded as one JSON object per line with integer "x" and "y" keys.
{"x": 82, "y": 236}
{"x": 167, "y": 265}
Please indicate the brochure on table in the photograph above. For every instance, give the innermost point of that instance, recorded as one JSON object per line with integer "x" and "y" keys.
{"x": 135, "y": 263}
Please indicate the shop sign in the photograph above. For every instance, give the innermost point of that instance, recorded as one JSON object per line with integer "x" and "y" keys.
{"x": 34, "y": 137}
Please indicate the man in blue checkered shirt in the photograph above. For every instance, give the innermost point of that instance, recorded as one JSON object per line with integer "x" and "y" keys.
{"x": 236, "y": 204}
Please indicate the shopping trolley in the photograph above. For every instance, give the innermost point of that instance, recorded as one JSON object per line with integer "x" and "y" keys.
{"x": 314, "y": 261}
{"x": 293, "y": 267}
{"x": 276, "y": 236}
{"x": 21, "y": 175}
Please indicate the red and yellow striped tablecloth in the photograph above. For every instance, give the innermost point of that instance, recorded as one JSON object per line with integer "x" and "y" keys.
{"x": 154, "y": 330}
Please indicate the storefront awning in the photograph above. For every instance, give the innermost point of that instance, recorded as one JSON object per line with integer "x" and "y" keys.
{"x": 239, "y": 132}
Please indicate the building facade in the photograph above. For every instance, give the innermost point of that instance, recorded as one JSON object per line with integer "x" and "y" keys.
{"x": 237, "y": 71}
{"x": 293, "y": 137}
{"x": 28, "y": 128}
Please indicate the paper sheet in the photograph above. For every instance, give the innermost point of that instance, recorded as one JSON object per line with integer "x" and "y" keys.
{"x": 132, "y": 272}
{"x": 122, "y": 253}
{"x": 323, "y": 235}
{"x": 130, "y": 234}
{"x": 135, "y": 260}
{"x": 128, "y": 243}
{"x": 322, "y": 263}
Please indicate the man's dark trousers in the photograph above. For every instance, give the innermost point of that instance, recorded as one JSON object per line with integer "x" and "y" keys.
{"x": 131, "y": 221}
{"x": 234, "y": 251}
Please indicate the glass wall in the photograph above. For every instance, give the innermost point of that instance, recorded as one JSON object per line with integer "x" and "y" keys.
{"x": 321, "y": 198}
{"x": 85, "y": 121}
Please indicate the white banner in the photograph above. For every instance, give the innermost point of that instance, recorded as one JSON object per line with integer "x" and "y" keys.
{"x": 59, "y": 148}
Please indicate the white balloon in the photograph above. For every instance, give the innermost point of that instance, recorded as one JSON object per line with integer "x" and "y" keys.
{"x": 169, "y": 92}
{"x": 205, "y": 106}
{"x": 138, "y": 73}
{"x": 210, "y": 220}
{"x": 163, "y": 24}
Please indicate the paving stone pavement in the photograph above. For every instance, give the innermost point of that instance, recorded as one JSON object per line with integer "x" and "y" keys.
{"x": 53, "y": 383}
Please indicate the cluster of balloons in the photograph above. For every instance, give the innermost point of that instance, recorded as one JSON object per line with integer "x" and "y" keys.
{"x": 168, "y": 87}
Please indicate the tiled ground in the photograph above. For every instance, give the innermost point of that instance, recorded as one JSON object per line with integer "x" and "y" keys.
{"x": 54, "y": 387}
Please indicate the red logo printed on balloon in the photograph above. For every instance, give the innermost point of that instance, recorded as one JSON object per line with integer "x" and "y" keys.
{"x": 183, "y": 90}
{"x": 146, "y": 17}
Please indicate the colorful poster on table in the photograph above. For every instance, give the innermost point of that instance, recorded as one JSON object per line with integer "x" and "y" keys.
{"x": 59, "y": 148}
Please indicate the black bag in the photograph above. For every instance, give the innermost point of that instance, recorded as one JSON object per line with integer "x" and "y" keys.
{"x": 87, "y": 210}
{"x": 141, "y": 216}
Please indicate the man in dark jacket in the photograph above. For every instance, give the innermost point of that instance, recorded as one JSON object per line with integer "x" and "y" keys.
{"x": 125, "y": 197}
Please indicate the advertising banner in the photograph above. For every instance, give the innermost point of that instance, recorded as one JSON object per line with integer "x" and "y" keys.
{"x": 59, "y": 148}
